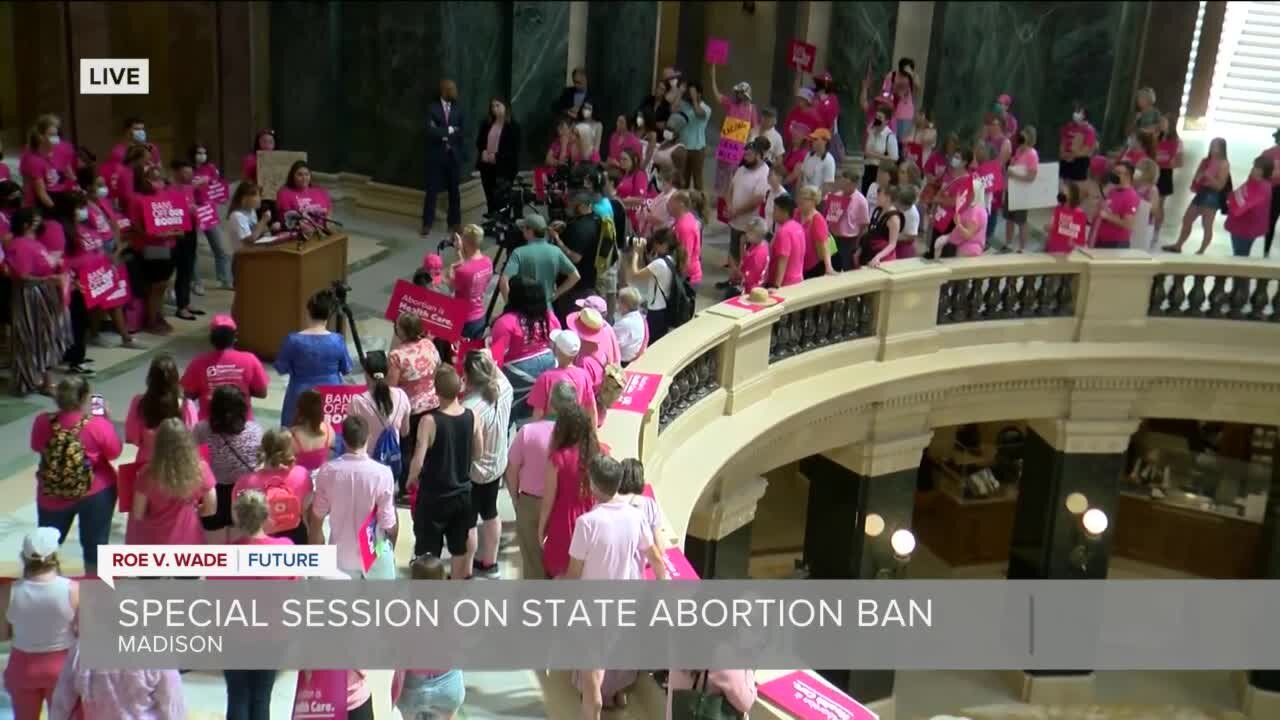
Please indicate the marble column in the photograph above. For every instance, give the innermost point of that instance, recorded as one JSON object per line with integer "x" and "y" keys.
{"x": 866, "y": 33}
{"x": 915, "y": 29}
{"x": 845, "y": 486}
{"x": 1062, "y": 458}
{"x": 238, "y": 89}
{"x": 1167, "y": 50}
{"x": 620, "y": 63}
{"x": 718, "y": 543}
{"x": 1215, "y": 15}
{"x": 539, "y": 61}
{"x": 91, "y": 115}
{"x": 42, "y": 33}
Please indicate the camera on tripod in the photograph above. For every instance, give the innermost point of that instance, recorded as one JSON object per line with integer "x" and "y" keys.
{"x": 566, "y": 182}
{"x": 501, "y": 225}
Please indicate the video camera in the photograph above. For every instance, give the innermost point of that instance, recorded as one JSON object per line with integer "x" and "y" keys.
{"x": 517, "y": 198}
{"x": 565, "y": 182}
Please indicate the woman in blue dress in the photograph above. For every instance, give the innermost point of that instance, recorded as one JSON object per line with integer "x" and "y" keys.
{"x": 313, "y": 356}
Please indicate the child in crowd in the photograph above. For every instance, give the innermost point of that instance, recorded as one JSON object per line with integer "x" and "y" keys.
{"x": 777, "y": 176}
{"x": 1068, "y": 228}
{"x": 1145, "y": 178}
{"x": 848, "y": 214}
{"x": 428, "y": 694}
{"x": 39, "y": 622}
{"x": 905, "y": 202}
{"x": 749, "y": 273}
{"x": 431, "y": 275}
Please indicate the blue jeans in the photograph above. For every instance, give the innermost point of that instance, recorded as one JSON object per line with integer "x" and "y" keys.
{"x": 1241, "y": 245}
{"x": 903, "y": 129}
{"x": 425, "y": 698}
{"x": 221, "y": 258}
{"x": 522, "y": 374}
{"x": 95, "y": 513}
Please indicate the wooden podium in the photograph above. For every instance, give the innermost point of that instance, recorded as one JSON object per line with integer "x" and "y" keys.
{"x": 273, "y": 284}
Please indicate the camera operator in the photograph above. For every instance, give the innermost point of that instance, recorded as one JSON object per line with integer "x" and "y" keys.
{"x": 540, "y": 262}
{"x": 579, "y": 240}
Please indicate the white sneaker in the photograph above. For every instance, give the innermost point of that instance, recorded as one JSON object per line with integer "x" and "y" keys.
{"x": 197, "y": 288}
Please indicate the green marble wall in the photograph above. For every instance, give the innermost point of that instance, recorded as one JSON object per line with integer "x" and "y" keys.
{"x": 539, "y": 53}
{"x": 620, "y": 52}
{"x": 1044, "y": 54}
{"x": 866, "y": 32}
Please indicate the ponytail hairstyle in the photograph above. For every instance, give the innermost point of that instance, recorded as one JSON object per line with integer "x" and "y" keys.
{"x": 664, "y": 243}
{"x": 375, "y": 367}
{"x": 482, "y": 375}
{"x": 697, "y": 204}
{"x": 41, "y": 126}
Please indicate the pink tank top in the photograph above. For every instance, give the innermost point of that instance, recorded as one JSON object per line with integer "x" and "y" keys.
{"x": 311, "y": 459}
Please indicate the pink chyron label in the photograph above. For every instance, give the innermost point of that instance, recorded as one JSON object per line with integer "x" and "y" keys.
{"x": 808, "y": 698}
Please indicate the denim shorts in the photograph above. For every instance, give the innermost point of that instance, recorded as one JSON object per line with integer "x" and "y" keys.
{"x": 426, "y": 698}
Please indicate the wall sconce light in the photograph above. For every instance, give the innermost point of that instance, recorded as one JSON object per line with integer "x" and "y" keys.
{"x": 1093, "y": 524}
{"x": 902, "y": 543}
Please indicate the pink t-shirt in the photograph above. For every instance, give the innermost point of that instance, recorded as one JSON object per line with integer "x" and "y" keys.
{"x": 622, "y": 141}
{"x": 1247, "y": 208}
{"x": 295, "y": 478}
{"x": 828, "y": 108}
{"x": 531, "y": 453}
{"x": 312, "y": 201}
{"x": 797, "y": 125}
{"x": 100, "y": 217}
{"x": 508, "y": 342}
{"x": 1122, "y": 201}
{"x": 755, "y": 263}
{"x": 224, "y": 367}
{"x": 991, "y": 175}
{"x": 1066, "y": 230}
{"x": 1167, "y": 152}
{"x": 1083, "y": 130}
{"x": 847, "y": 215}
{"x": 53, "y": 237}
{"x": 815, "y": 235}
{"x": 971, "y": 245}
{"x": 33, "y": 166}
{"x": 27, "y": 257}
{"x": 689, "y": 234}
{"x": 789, "y": 242}
{"x": 1028, "y": 158}
{"x": 577, "y": 376}
{"x": 936, "y": 164}
{"x": 101, "y": 447}
{"x": 169, "y": 520}
{"x": 607, "y": 538}
{"x": 470, "y": 280}
{"x": 137, "y": 433}
{"x": 904, "y": 106}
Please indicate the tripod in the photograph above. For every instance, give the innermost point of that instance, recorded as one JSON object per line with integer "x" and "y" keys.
{"x": 345, "y": 317}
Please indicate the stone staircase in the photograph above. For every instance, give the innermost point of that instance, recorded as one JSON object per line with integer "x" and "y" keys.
{"x": 1247, "y": 74}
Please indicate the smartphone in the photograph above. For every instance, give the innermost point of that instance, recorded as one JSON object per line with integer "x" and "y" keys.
{"x": 97, "y": 405}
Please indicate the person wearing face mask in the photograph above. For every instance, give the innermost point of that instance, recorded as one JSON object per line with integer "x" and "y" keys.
{"x": 594, "y": 129}
{"x": 694, "y": 134}
{"x": 1114, "y": 226}
{"x": 1022, "y": 169}
{"x": 954, "y": 181}
{"x": 98, "y": 236}
{"x": 738, "y": 105}
{"x": 626, "y": 136}
{"x": 1077, "y": 142}
{"x": 654, "y": 214}
{"x": 445, "y": 124}
{"x": 498, "y": 146}
{"x": 211, "y": 190}
{"x": 156, "y": 250}
{"x": 46, "y": 176}
{"x": 575, "y": 97}
{"x": 184, "y": 255}
{"x": 1001, "y": 110}
{"x": 671, "y": 153}
{"x": 134, "y": 131}
{"x": 881, "y": 148}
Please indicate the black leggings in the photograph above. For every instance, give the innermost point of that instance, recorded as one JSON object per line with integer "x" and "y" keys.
{"x": 76, "y": 352}
{"x": 249, "y": 694}
{"x": 184, "y": 259}
{"x": 364, "y": 712}
{"x": 1275, "y": 215}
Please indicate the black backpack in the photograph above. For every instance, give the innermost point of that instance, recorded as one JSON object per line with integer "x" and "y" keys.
{"x": 683, "y": 301}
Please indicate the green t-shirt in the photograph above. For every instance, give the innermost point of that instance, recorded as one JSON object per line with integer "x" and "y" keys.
{"x": 540, "y": 261}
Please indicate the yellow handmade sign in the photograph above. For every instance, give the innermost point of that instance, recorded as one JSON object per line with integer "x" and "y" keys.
{"x": 735, "y": 129}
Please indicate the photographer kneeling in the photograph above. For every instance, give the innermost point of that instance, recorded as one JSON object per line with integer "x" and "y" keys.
{"x": 579, "y": 239}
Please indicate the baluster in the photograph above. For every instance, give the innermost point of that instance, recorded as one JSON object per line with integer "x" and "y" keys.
{"x": 1155, "y": 307}
{"x": 1274, "y": 302}
{"x": 1178, "y": 296}
{"x": 944, "y": 303}
{"x": 1049, "y": 295}
{"x": 991, "y": 299}
{"x": 824, "y": 325}
{"x": 866, "y": 324}
{"x": 1238, "y": 298}
{"x": 839, "y": 330}
{"x": 1258, "y": 300}
{"x": 794, "y": 333}
{"x": 851, "y": 327}
{"x": 1218, "y": 298}
{"x": 1008, "y": 297}
{"x": 1067, "y": 295}
{"x": 974, "y": 299}
{"x": 774, "y": 333}
{"x": 1027, "y": 300}
{"x": 961, "y": 310}
{"x": 1195, "y": 299}
{"x": 810, "y": 328}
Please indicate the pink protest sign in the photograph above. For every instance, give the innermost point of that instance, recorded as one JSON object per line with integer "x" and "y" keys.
{"x": 730, "y": 152}
{"x": 367, "y": 534}
{"x": 217, "y": 192}
{"x": 443, "y": 316}
{"x": 320, "y": 695}
{"x": 337, "y": 400}
{"x": 678, "y": 567}
{"x": 103, "y": 285}
{"x": 801, "y": 56}
{"x": 206, "y": 217}
{"x": 638, "y": 393}
{"x": 808, "y": 698}
{"x": 717, "y": 51}
{"x": 164, "y": 213}
{"x": 740, "y": 301}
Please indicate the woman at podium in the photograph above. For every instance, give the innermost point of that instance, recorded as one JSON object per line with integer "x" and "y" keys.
{"x": 299, "y": 196}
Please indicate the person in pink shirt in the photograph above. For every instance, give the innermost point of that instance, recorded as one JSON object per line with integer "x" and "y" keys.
{"x": 566, "y": 345}
{"x": 1001, "y": 110}
{"x": 1209, "y": 185}
{"x": 211, "y": 190}
{"x": 46, "y": 174}
{"x": 564, "y": 147}
{"x": 162, "y": 400}
{"x": 298, "y": 195}
{"x": 41, "y": 323}
{"x": 969, "y": 236}
{"x": 827, "y": 104}
{"x": 283, "y": 519}
{"x": 739, "y": 105}
{"x": 175, "y": 490}
{"x": 802, "y": 120}
{"x": 313, "y": 435}
{"x": 749, "y": 273}
{"x": 607, "y": 350}
{"x": 264, "y": 141}
{"x": 348, "y": 490}
{"x": 953, "y": 180}
{"x": 817, "y": 253}
{"x": 520, "y": 342}
{"x": 688, "y": 231}
{"x": 901, "y": 86}
{"x": 382, "y": 406}
{"x": 84, "y": 694}
{"x": 528, "y": 462}
{"x": 1249, "y": 206}
{"x": 1069, "y": 226}
{"x": 1022, "y": 169}
{"x": 1273, "y": 153}
{"x": 223, "y": 365}
{"x": 469, "y": 277}
{"x": 654, "y": 213}
{"x": 134, "y": 133}
{"x": 847, "y": 216}
{"x": 1114, "y": 227}
{"x": 632, "y": 185}
{"x": 156, "y": 248}
{"x": 1077, "y": 142}
{"x": 90, "y": 496}
{"x": 786, "y": 252}
{"x": 624, "y": 138}
{"x": 566, "y": 495}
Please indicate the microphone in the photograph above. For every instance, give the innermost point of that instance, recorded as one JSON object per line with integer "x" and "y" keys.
{"x": 320, "y": 217}
{"x": 292, "y": 219}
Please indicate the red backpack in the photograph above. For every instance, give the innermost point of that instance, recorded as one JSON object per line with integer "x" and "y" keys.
{"x": 284, "y": 509}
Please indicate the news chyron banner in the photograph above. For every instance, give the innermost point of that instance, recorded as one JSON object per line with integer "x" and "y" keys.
{"x": 316, "y": 617}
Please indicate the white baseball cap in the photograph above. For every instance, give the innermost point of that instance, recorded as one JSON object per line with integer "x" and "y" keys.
{"x": 566, "y": 342}
{"x": 40, "y": 543}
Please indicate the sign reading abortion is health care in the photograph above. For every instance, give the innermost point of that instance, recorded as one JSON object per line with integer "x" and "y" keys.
{"x": 442, "y": 316}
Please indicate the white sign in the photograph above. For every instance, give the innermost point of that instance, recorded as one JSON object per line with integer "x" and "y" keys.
{"x": 1143, "y": 236}
{"x": 115, "y": 76}
{"x": 1039, "y": 193}
{"x": 224, "y": 561}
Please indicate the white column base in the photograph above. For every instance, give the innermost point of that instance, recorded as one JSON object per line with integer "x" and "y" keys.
{"x": 1052, "y": 689}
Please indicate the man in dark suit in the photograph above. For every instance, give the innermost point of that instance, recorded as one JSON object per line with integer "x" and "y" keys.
{"x": 572, "y": 98}
{"x": 445, "y": 123}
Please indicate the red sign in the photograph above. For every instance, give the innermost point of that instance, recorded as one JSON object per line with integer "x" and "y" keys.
{"x": 441, "y": 315}
{"x": 164, "y": 213}
{"x": 336, "y": 400}
{"x": 460, "y": 348}
{"x": 740, "y": 301}
{"x": 638, "y": 392}
{"x": 104, "y": 285}
{"x": 216, "y": 193}
{"x": 206, "y": 217}
{"x": 320, "y": 695}
{"x": 806, "y": 697}
{"x": 717, "y": 51}
{"x": 678, "y": 567}
{"x": 367, "y": 534}
{"x": 801, "y": 56}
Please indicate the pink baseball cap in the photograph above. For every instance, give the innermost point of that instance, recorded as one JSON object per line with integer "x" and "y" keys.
{"x": 1005, "y": 100}
{"x": 595, "y": 302}
{"x": 433, "y": 263}
{"x": 220, "y": 321}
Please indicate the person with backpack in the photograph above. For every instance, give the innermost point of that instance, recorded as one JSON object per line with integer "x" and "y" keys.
{"x": 581, "y": 240}
{"x": 234, "y": 441}
{"x": 352, "y": 490}
{"x": 710, "y": 694}
{"x": 386, "y": 410}
{"x": 489, "y": 396}
{"x": 671, "y": 297}
{"x": 285, "y": 485}
{"x": 75, "y": 479}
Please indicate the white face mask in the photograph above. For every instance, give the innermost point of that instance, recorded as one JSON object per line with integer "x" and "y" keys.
{"x": 668, "y": 135}
{"x": 100, "y": 192}
{"x": 586, "y": 114}
{"x": 202, "y": 158}
{"x": 82, "y": 214}
{"x": 139, "y": 135}
{"x": 639, "y": 121}
{"x": 957, "y": 162}
{"x": 1077, "y": 116}
{"x": 54, "y": 139}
